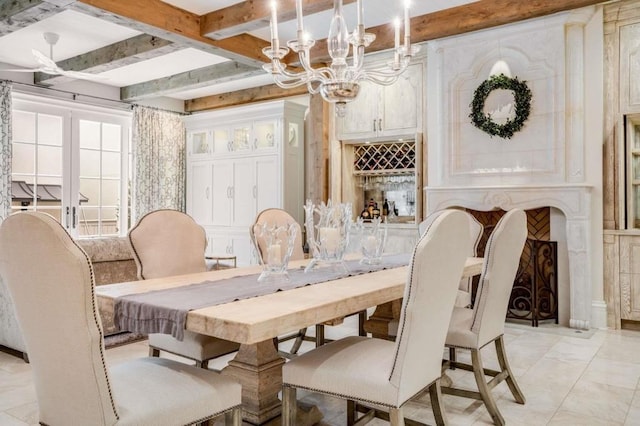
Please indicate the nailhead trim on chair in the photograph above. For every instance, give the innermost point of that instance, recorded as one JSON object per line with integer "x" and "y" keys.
{"x": 204, "y": 419}
{"x": 404, "y": 317}
{"x": 97, "y": 322}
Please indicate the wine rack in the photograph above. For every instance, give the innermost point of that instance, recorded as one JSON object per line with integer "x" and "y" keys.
{"x": 384, "y": 158}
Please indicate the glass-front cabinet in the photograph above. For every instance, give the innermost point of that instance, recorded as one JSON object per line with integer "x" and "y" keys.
{"x": 633, "y": 171}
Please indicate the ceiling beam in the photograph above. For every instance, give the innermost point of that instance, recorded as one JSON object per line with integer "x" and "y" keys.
{"x": 195, "y": 79}
{"x": 133, "y": 50}
{"x": 17, "y": 14}
{"x": 457, "y": 20}
{"x": 163, "y": 20}
{"x": 253, "y": 14}
{"x": 264, "y": 93}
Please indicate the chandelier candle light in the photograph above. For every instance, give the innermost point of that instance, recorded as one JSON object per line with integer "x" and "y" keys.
{"x": 339, "y": 82}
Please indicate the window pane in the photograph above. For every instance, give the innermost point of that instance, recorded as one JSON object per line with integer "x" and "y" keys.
{"x": 89, "y": 163}
{"x": 23, "y": 160}
{"x": 24, "y": 127}
{"x": 90, "y": 188}
{"x": 89, "y": 134}
{"x": 50, "y": 160}
{"x": 88, "y": 221}
{"x": 110, "y": 164}
{"x": 110, "y": 192}
{"x": 49, "y": 130}
{"x": 110, "y": 221}
{"x": 111, "y": 137}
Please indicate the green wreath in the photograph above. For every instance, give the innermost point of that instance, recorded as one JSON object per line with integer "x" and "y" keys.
{"x": 522, "y": 96}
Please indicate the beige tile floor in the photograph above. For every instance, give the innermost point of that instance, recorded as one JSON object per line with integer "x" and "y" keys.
{"x": 568, "y": 377}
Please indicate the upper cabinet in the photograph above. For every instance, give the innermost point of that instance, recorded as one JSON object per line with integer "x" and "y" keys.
{"x": 234, "y": 138}
{"x": 385, "y": 111}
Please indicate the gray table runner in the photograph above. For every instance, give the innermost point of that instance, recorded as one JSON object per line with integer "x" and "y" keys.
{"x": 165, "y": 311}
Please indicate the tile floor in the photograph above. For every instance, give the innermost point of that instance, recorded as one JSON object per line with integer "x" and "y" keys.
{"x": 568, "y": 377}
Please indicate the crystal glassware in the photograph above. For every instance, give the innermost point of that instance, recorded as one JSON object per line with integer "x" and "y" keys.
{"x": 276, "y": 245}
{"x": 373, "y": 237}
{"x": 327, "y": 227}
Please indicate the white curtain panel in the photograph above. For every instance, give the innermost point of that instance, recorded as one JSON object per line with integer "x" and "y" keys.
{"x": 5, "y": 149}
{"x": 159, "y": 140}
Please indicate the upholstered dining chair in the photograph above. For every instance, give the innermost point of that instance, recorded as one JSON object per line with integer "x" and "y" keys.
{"x": 279, "y": 217}
{"x": 56, "y": 307}
{"x": 474, "y": 328}
{"x": 165, "y": 243}
{"x": 386, "y": 373}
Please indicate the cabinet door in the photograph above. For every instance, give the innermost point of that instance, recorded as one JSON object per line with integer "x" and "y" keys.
{"x": 242, "y": 193}
{"x": 241, "y": 137}
{"x": 199, "y": 197}
{"x": 199, "y": 143}
{"x": 222, "y": 140}
{"x": 361, "y": 118}
{"x": 242, "y": 247}
{"x": 265, "y": 135}
{"x": 630, "y": 277}
{"x": 221, "y": 188}
{"x": 218, "y": 243}
{"x": 267, "y": 188}
{"x": 401, "y": 109}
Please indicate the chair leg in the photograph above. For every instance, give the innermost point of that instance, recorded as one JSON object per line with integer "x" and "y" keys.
{"x": 154, "y": 352}
{"x": 396, "y": 417}
{"x": 435, "y": 393}
{"x": 504, "y": 366}
{"x": 362, "y": 318}
{"x": 319, "y": 335}
{"x": 25, "y": 357}
{"x": 352, "y": 414}
{"x": 203, "y": 364}
{"x": 233, "y": 417}
{"x": 485, "y": 392}
{"x": 289, "y": 406}
{"x": 296, "y": 345}
{"x": 452, "y": 358}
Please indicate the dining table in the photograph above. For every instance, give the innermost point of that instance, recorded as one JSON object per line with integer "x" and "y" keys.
{"x": 255, "y": 321}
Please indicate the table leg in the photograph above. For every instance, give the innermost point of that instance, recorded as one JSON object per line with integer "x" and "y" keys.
{"x": 378, "y": 322}
{"x": 258, "y": 368}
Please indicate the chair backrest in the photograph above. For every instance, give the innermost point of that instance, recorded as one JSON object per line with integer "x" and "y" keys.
{"x": 276, "y": 217}
{"x": 475, "y": 229}
{"x": 435, "y": 270}
{"x": 50, "y": 279}
{"x": 168, "y": 242}
{"x": 501, "y": 261}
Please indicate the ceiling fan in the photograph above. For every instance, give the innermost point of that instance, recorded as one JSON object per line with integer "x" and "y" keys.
{"x": 48, "y": 65}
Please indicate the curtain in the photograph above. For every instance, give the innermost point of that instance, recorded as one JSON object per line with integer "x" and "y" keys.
{"x": 159, "y": 140}
{"x": 5, "y": 149}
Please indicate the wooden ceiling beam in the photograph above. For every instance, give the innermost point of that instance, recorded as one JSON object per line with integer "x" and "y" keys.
{"x": 264, "y": 93}
{"x": 171, "y": 23}
{"x": 253, "y": 14}
{"x": 194, "y": 79}
{"x": 133, "y": 50}
{"x": 458, "y": 20}
{"x": 18, "y": 14}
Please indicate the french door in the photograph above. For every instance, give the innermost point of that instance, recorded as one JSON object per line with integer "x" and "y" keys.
{"x": 72, "y": 162}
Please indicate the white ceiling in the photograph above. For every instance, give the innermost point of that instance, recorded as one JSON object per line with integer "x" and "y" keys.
{"x": 81, "y": 33}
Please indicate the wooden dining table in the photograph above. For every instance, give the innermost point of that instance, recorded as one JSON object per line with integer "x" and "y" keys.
{"x": 254, "y": 322}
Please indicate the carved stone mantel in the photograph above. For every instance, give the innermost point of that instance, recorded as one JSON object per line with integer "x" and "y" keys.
{"x": 575, "y": 203}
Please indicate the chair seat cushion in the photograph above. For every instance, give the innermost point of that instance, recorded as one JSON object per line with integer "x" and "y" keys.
{"x": 353, "y": 368}
{"x": 194, "y": 346}
{"x": 460, "y": 334}
{"x": 158, "y": 391}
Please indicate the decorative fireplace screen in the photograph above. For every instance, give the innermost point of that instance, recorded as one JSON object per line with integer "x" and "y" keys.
{"x": 535, "y": 291}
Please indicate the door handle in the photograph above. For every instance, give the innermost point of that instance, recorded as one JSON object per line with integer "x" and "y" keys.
{"x": 380, "y": 124}
{"x": 66, "y": 220}
{"x": 207, "y": 192}
{"x": 374, "y": 124}
{"x": 74, "y": 217}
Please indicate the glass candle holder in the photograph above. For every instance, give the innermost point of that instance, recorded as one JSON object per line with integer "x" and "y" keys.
{"x": 373, "y": 238}
{"x": 276, "y": 244}
{"x": 327, "y": 227}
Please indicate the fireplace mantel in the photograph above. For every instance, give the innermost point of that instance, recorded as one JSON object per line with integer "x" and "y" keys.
{"x": 575, "y": 203}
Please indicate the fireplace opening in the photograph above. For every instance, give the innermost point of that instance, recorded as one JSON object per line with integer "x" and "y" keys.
{"x": 534, "y": 296}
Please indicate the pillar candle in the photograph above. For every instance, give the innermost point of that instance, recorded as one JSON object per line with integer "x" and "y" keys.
{"x": 330, "y": 239}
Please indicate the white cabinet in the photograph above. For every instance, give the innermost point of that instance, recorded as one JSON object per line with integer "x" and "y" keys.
{"x": 241, "y": 161}
{"x": 385, "y": 111}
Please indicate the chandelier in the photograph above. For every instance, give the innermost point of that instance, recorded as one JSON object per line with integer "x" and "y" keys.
{"x": 338, "y": 83}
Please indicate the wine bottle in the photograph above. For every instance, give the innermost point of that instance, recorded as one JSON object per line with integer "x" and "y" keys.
{"x": 385, "y": 208}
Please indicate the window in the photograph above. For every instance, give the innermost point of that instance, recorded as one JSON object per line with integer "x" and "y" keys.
{"x": 72, "y": 162}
